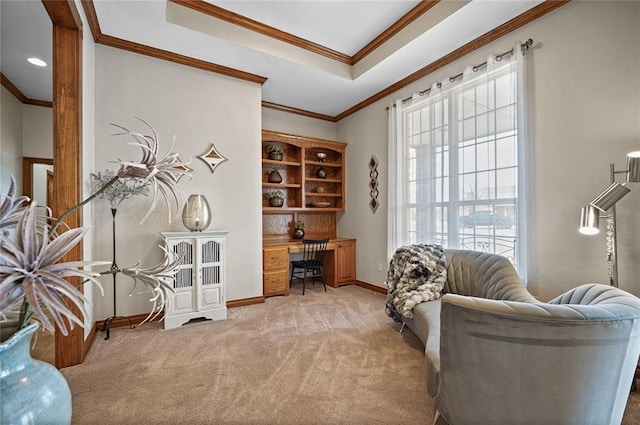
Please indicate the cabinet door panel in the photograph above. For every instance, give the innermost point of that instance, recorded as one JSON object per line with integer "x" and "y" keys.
{"x": 346, "y": 253}
{"x": 182, "y": 302}
{"x": 211, "y": 297}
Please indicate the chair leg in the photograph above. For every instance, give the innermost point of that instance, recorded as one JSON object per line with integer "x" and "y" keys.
{"x": 304, "y": 281}
{"x": 291, "y": 277}
{"x": 322, "y": 276}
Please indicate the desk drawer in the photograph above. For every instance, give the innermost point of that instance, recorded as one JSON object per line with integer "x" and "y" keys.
{"x": 275, "y": 283}
{"x": 275, "y": 259}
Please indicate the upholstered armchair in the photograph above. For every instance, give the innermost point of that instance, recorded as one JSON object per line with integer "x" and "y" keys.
{"x": 569, "y": 361}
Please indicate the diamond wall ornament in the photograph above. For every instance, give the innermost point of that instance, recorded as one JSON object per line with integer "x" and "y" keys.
{"x": 373, "y": 163}
{"x": 212, "y": 158}
{"x": 373, "y": 183}
{"x": 374, "y": 204}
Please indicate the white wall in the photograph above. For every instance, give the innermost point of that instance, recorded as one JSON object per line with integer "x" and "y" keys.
{"x": 10, "y": 140}
{"x": 585, "y": 96}
{"x": 37, "y": 131}
{"x": 39, "y": 193}
{"x": 87, "y": 159}
{"x": 199, "y": 108}
{"x": 297, "y": 124}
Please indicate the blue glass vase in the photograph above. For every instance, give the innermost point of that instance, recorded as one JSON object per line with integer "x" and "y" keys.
{"x": 31, "y": 391}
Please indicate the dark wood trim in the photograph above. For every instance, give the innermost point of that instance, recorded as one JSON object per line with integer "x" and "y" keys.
{"x": 204, "y": 7}
{"x": 64, "y": 13}
{"x": 245, "y": 301}
{"x": 36, "y": 102}
{"x": 92, "y": 19}
{"x": 252, "y": 25}
{"x": 90, "y": 338}
{"x": 15, "y": 91}
{"x": 20, "y": 96}
{"x": 27, "y": 173}
{"x": 136, "y": 319}
{"x": 297, "y": 111}
{"x": 67, "y": 145}
{"x": 119, "y": 43}
{"x": 124, "y": 321}
{"x": 142, "y": 49}
{"x": 395, "y": 28}
{"x": 374, "y": 288}
{"x": 515, "y": 23}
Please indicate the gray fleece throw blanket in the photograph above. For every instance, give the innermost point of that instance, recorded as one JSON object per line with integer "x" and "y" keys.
{"x": 417, "y": 273}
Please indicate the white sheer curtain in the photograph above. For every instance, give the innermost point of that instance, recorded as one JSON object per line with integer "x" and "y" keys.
{"x": 457, "y": 162}
{"x": 395, "y": 200}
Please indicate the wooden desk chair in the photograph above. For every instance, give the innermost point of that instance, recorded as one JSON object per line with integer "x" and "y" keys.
{"x": 311, "y": 264}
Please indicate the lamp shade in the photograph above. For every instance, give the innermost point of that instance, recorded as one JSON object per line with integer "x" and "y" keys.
{"x": 589, "y": 220}
{"x": 633, "y": 167}
{"x": 610, "y": 196}
{"x": 196, "y": 214}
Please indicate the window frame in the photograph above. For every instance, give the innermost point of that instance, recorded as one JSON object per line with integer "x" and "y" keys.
{"x": 452, "y": 229}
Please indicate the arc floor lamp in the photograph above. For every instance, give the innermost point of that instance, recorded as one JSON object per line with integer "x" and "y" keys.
{"x": 605, "y": 203}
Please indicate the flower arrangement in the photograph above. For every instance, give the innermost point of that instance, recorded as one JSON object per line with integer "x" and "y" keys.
{"x": 33, "y": 284}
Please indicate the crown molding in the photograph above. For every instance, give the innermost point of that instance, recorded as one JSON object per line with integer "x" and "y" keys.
{"x": 297, "y": 111}
{"x": 252, "y": 25}
{"x": 204, "y": 7}
{"x": 515, "y": 23}
{"x": 395, "y": 28}
{"x": 142, "y": 49}
{"x": 6, "y": 83}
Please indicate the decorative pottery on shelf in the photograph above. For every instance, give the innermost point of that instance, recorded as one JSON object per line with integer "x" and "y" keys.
{"x": 321, "y": 204}
{"x": 276, "y": 199}
{"x": 321, "y": 173}
{"x": 196, "y": 214}
{"x": 276, "y": 202}
{"x": 321, "y": 156}
{"x": 298, "y": 232}
{"x": 32, "y": 391}
{"x": 275, "y": 152}
{"x": 274, "y": 176}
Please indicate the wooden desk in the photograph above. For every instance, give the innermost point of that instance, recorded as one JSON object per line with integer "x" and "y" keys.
{"x": 339, "y": 264}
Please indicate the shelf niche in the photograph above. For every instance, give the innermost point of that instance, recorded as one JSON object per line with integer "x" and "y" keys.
{"x": 303, "y": 190}
{"x": 307, "y": 197}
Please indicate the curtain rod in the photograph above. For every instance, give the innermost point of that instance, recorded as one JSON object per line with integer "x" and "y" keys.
{"x": 525, "y": 46}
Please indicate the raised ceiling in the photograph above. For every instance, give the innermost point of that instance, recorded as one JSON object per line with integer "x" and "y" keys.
{"x": 324, "y": 57}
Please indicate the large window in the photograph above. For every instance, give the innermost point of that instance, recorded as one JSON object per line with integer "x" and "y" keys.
{"x": 458, "y": 163}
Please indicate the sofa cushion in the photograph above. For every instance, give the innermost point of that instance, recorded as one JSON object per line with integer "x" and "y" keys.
{"x": 484, "y": 275}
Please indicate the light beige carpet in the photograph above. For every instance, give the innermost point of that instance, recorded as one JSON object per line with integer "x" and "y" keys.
{"x": 321, "y": 358}
{"x": 325, "y": 358}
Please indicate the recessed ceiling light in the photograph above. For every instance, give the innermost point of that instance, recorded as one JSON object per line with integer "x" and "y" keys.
{"x": 37, "y": 62}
